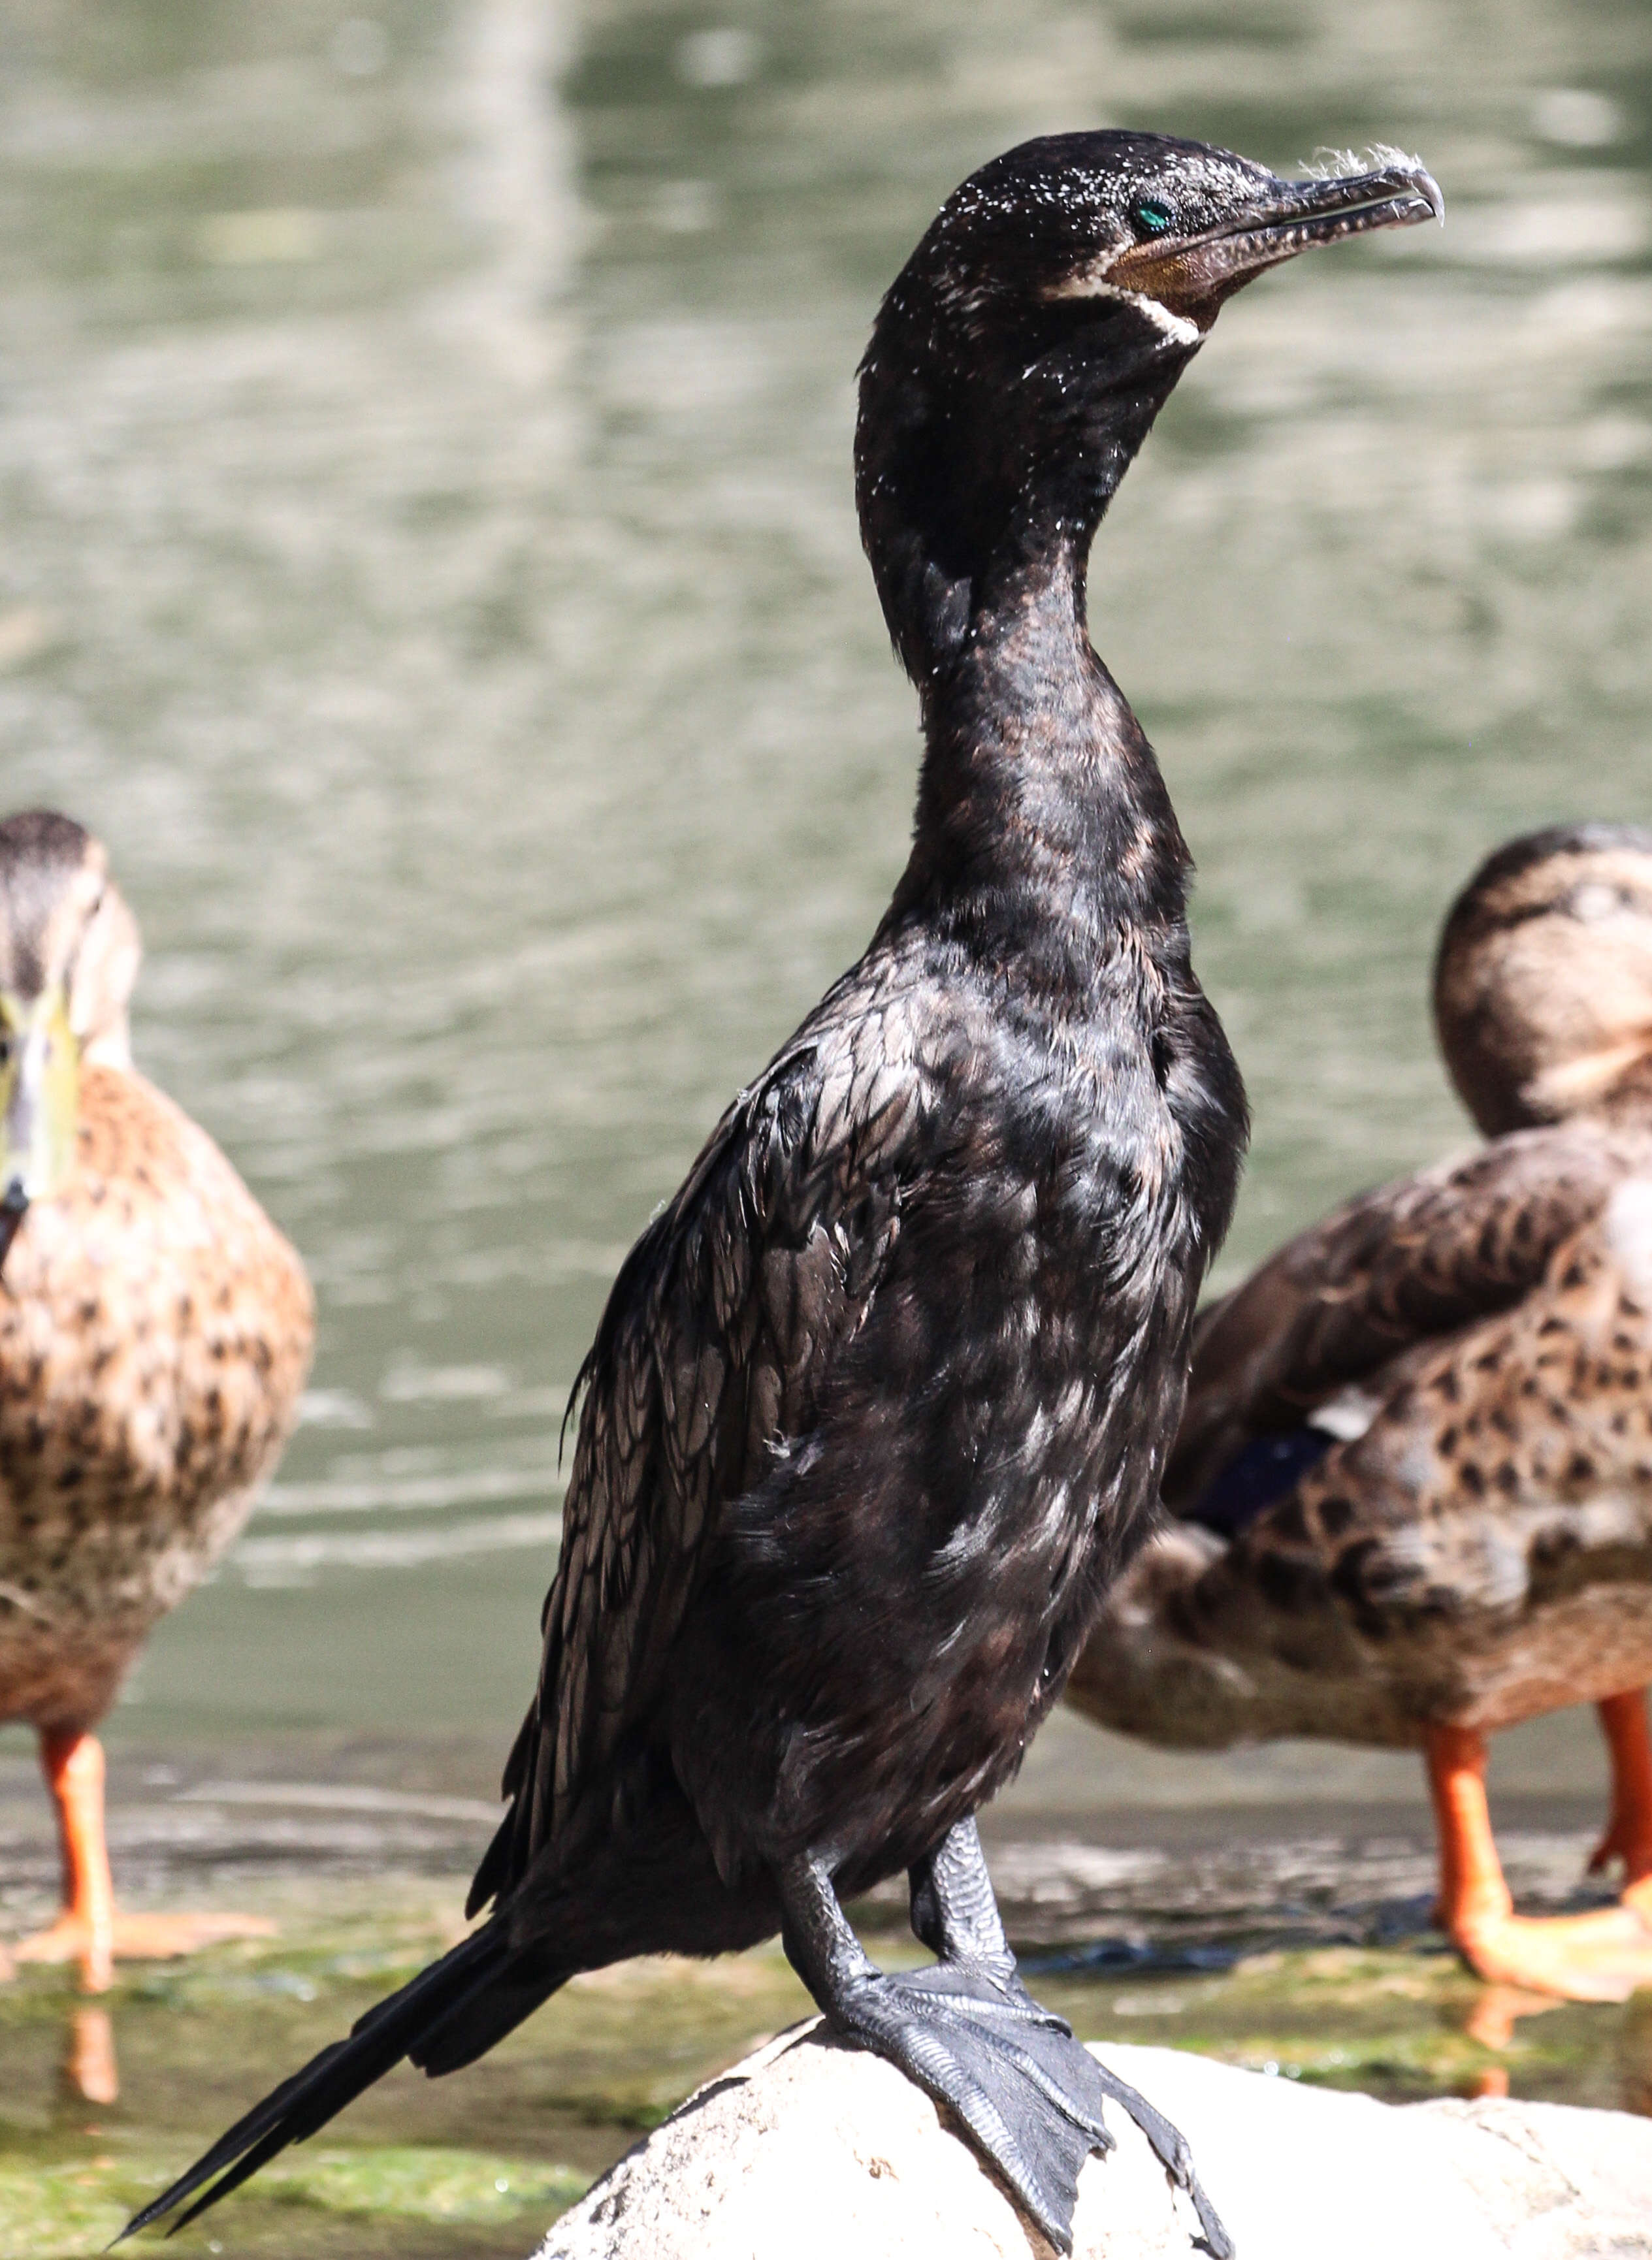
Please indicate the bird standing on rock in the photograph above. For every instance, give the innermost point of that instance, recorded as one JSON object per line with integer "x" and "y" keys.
{"x": 1411, "y": 1501}
{"x": 879, "y": 1402}
{"x": 154, "y": 1332}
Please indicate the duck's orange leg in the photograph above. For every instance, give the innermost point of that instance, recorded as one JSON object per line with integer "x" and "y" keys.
{"x": 1628, "y": 1835}
{"x": 73, "y": 1765}
{"x": 1584, "y": 1957}
{"x": 90, "y": 1930}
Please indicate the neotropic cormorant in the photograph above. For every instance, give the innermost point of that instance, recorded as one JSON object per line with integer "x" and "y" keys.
{"x": 154, "y": 1334}
{"x": 878, "y": 1404}
{"x": 1411, "y": 1494}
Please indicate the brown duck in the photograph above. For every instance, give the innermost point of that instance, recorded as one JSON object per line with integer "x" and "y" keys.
{"x": 1411, "y": 1499}
{"x": 154, "y": 1332}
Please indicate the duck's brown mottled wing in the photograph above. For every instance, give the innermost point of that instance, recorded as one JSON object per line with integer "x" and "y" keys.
{"x": 1483, "y": 1551}
{"x": 716, "y": 1339}
{"x": 1413, "y": 1260}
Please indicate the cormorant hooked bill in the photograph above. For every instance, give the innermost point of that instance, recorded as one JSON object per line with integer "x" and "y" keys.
{"x": 878, "y": 1404}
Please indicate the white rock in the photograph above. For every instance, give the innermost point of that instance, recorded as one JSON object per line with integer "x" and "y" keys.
{"x": 810, "y": 2150}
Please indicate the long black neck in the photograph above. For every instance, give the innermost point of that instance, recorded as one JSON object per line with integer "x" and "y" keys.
{"x": 1042, "y": 812}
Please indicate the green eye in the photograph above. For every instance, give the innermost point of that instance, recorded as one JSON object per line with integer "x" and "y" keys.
{"x": 1151, "y": 217}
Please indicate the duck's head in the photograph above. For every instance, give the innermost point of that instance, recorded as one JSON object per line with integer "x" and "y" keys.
{"x": 69, "y": 959}
{"x": 1023, "y": 352}
{"x": 1543, "y": 982}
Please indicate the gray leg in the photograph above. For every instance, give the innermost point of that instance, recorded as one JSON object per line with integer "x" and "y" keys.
{"x": 953, "y": 1910}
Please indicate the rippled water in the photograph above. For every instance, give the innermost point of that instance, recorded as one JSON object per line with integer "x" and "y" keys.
{"x": 430, "y": 561}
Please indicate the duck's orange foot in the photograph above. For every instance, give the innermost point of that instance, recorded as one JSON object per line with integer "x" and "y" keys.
{"x": 1604, "y": 1956}
{"x": 134, "y": 1938}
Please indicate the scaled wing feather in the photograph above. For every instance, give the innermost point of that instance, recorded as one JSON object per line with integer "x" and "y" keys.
{"x": 1412, "y": 1260}
{"x": 716, "y": 1342}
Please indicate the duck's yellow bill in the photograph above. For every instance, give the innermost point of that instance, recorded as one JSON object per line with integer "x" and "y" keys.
{"x": 40, "y": 1097}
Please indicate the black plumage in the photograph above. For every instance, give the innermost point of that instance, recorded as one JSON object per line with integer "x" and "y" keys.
{"x": 879, "y": 1402}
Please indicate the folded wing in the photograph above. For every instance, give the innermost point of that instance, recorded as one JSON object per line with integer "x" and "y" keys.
{"x": 1412, "y": 1261}
{"x": 717, "y": 1340}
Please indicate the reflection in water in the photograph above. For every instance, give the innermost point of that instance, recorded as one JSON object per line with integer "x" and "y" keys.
{"x": 1635, "y": 2057}
{"x": 91, "y": 2073}
{"x": 1492, "y": 2021}
{"x": 431, "y": 562}
{"x": 1492, "y": 2018}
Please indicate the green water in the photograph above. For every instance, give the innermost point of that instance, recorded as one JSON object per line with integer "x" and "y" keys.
{"x": 429, "y": 562}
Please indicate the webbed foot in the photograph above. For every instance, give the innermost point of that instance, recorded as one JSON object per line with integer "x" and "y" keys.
{"x": 1027, "y": 2093}
{"x": 97, "y": 1943}
{"x": 1603, "y": 1956}
{"x": 1029, "y": 2096}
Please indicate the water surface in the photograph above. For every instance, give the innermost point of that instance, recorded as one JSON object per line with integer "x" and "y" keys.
{"x": 430, "y": 563}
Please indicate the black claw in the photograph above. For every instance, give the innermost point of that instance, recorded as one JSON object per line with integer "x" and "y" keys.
{"x": 1170, "y": 2146}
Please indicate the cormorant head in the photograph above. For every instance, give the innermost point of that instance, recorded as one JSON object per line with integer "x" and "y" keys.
{"x": 69, "y": 959}
{"x": 1543, "y": 982}
{"x": 1024, "y": 350}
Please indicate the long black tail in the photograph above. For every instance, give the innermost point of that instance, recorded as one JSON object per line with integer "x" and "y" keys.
{"x": 445, "y": 2017}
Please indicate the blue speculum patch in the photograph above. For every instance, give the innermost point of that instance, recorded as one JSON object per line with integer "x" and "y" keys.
{"x": 1265, "y": 1470}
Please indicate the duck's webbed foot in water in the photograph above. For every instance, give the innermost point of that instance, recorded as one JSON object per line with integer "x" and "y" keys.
{"x": 1603, "y": 1956}
{"x": 969, "y": 2034}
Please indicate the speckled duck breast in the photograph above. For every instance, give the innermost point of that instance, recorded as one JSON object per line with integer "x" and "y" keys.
{"x": 154, "y": 1332}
